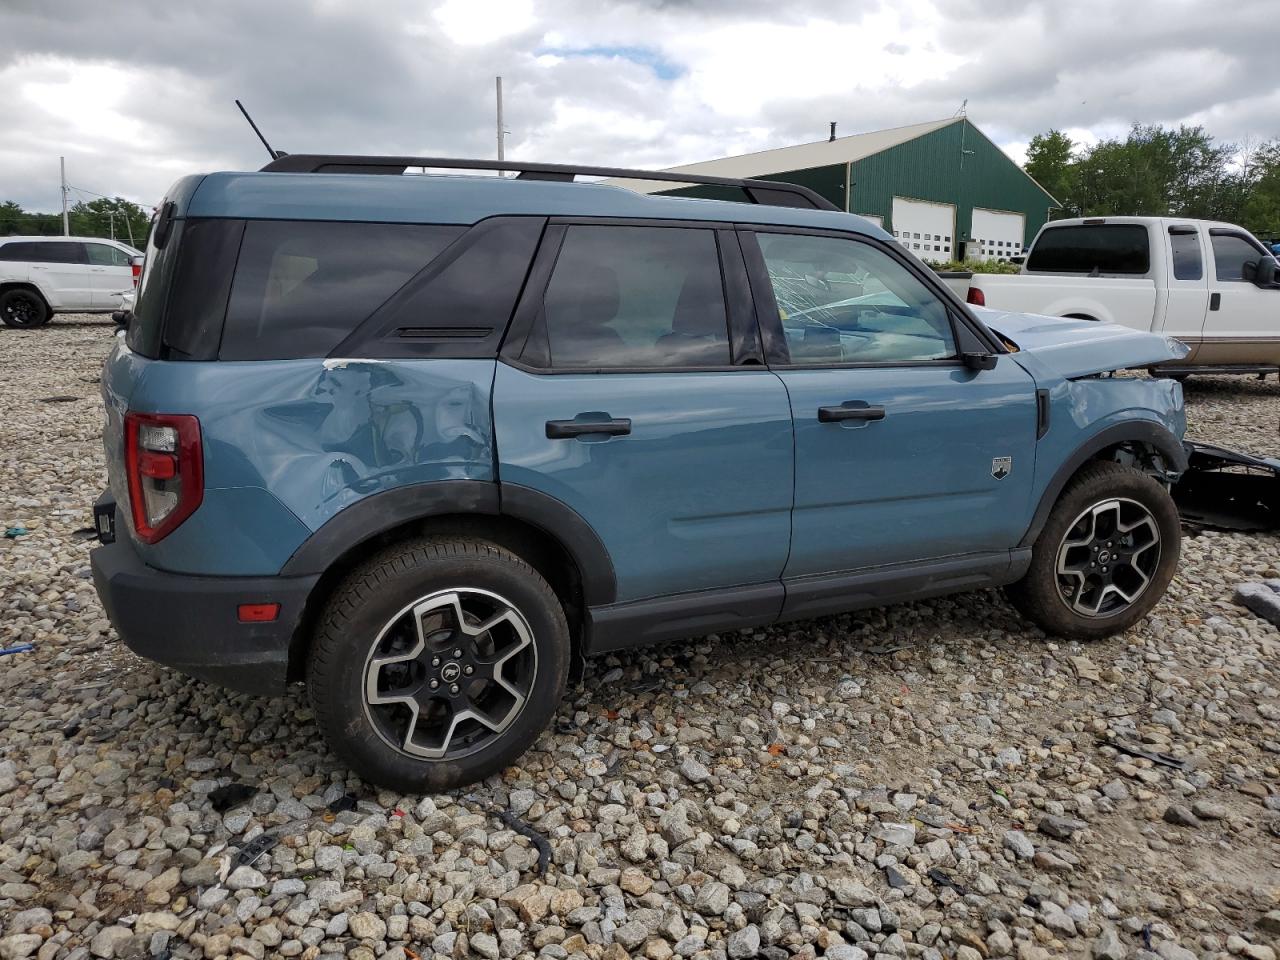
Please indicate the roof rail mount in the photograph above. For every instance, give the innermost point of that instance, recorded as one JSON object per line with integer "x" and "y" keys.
{"x": 770, "y": 193}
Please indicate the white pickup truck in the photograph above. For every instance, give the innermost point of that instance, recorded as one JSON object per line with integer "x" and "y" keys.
{"x": 1211, "y": 285}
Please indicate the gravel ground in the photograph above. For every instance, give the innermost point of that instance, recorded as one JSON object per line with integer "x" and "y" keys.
{"x": 931, "y": 780}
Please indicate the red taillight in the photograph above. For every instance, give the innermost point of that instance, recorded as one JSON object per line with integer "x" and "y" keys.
{"x": 977, "y": 297}
{"x": 135, "y": 263}
{"x": 165, "y": 466}
{"x": 257, "y": 612}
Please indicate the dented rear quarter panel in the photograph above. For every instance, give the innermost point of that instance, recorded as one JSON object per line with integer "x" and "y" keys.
{"x": 290, "y": 443}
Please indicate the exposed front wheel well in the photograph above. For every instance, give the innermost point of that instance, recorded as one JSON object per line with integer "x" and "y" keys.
{"x": 533, "y": 545}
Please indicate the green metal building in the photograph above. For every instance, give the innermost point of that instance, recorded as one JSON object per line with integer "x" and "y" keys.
{"x": 943, "y": 189}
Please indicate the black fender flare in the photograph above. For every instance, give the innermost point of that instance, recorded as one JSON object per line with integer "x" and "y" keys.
{"x": 1145, "y": 432}
{"x": 380, "y": 512}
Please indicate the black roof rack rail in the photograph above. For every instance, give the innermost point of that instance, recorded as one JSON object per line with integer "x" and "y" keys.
{"x": 771, "y": 193}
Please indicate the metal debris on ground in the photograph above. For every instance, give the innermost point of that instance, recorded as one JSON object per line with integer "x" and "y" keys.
{"x": 1262, "y": 598}
{"x": 1163, "y": 759}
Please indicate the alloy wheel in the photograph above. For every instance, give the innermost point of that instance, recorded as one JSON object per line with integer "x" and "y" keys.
{"x": 1107, "y": 558}
{"x": 449, "y": 673}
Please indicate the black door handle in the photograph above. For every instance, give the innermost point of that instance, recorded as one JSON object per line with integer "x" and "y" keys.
{"x": 567, "y": 429}
{"x": 1215, "y": 301}
{"x": 850, "y": 410}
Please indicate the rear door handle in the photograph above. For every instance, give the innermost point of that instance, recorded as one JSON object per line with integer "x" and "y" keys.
{"x": 567, "y": 429}
{"x": 850, "y": 410}
{"x": 1215, "y": 301}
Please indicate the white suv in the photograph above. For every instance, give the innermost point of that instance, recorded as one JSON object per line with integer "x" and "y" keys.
{"x": 41, "y": 276}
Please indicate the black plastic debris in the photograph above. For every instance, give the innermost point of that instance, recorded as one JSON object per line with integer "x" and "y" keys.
{"x": 1262, "y": 598}
{"x": 1164, "y": 759}
{"x": 61, "y": 399}
{"x": 231, "y": 795}
{"x": 944, "y": 880}
{"x": 342, "y": 804}
{"x": 1227, "y": 490}
{"x": 252, "y": 851}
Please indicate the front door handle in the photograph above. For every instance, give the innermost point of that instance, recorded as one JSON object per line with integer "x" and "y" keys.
{"x": 850, "y": 410}
{"x": 567, "y": 429}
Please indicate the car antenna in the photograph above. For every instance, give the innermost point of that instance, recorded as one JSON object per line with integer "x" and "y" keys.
{"x": 275, "y": 154}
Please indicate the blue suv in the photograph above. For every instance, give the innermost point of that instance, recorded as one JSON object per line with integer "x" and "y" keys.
{"x": 425, "y": 442}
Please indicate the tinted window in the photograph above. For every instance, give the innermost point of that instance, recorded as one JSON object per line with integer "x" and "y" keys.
{"x": 636, "y": 297}
{"x": 1186, "y": 256}
{"x": 198, "y": 300}
{"x": 1230, "y": 253}
{"x": 105, "y": 255}
{"x": 301, "y": 287}
{"x": 38, "y": 251}
{"x": 1104, "y": 248}
{"x": 148, "y": 312}
{"x": 843, "y": 301}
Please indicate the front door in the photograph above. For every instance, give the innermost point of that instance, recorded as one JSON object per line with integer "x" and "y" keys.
{"x": 109, "y": 274}
{"x": 632, "y": 394}
{"x": 1243, "y": 323}
{"x": 903, "y": 454}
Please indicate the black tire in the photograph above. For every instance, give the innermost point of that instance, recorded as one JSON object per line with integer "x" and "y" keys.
{"x": 23, "y": 309}
{"x": 1052, "y": 599}
{"x": 373, "y": 612}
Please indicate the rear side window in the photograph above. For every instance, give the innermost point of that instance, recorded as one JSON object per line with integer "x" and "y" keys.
{"x": 143, "y": 336}
{"x": 1092, "y": 248}
{"x": 38, "y": 251}
{"x": 301, "y": 287}
{"x": 1230, "y": 253}
{"x": 1185, "y": 247}
{"x": 105, "y": 255}
{"x": 636, "y": 297}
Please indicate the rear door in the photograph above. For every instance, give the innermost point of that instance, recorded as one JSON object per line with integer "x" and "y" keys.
{"x": 632, "y": 390}
{"x": 1188, "y": 293}
{"x": 902, "y": 453}
{"x": 109, "y": 274}
{"x": 61, "y": 271}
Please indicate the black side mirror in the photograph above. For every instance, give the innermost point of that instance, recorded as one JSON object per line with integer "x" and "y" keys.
{"x": 122, "y": 318}
{"x": 979, "y": 361}
{"x": 1262, "y": 273}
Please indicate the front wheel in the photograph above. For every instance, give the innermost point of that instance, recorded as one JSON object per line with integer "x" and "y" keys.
{"x": 1105, "y": 556}
{"x": 23, "y": 309}
{"x": 438, "y": 663}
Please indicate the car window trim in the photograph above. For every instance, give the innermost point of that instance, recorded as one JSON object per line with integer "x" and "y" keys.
{"x": 778, "y": 354}
{"x": 1247, "y": 239}
{"x": 529, "y": 317}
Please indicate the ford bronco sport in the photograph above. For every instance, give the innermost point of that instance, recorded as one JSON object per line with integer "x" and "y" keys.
{"x": 424, "y": 442}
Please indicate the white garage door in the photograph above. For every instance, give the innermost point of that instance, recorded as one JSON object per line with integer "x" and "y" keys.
{"x": 926, "y": 229}
{"x": 996, "y": 235}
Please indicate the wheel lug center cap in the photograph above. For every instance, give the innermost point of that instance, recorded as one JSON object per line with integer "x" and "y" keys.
{"x": 1103, "y": 557}
{"x": 450, "y": 672}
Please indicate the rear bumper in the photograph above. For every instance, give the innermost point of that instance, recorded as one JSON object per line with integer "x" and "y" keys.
{"x": 191, "y": 624}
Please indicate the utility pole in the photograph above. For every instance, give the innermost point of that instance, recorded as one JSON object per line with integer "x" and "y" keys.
{"x": 66, "y": 224}
{"x": 111, "y": 215}
{"x": 501, "y": 131}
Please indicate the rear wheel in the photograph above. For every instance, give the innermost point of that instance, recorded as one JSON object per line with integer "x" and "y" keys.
{"x": 438, "y": 663}
{"x": 23, "y": 309}
{"x": 1105, "y": 557}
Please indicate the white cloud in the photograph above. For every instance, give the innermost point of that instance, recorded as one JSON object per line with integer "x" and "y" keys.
{"x": 138, "y": 92}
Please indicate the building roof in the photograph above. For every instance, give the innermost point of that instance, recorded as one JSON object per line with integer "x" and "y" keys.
{"x": 803, "y": 156}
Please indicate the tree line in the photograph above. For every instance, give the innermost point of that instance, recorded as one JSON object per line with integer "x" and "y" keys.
{"x": 1159, "y": 171}
{"x": 88, "y": 218}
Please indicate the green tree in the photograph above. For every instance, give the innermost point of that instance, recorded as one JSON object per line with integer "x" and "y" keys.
{"x": 1261, "y": 207}
{"x": 1050, "y": 164}
{"x": 96, "y": 218}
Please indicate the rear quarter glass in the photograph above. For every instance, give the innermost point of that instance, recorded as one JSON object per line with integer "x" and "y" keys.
{"x": 302, "y": 287}
{"x": 147, "y": 326}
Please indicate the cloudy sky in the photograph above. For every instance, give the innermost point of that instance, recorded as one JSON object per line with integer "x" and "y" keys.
{"x": 136, "y": 93}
